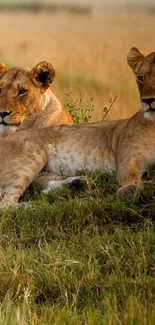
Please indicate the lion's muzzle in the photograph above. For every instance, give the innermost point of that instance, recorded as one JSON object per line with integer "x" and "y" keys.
{"x": 149, "y": 104}
{"x": 3, "y": 115}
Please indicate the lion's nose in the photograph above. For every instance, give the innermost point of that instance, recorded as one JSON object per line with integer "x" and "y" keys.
{"x": 148, "y": 100}
{"x": 3, "y": 114}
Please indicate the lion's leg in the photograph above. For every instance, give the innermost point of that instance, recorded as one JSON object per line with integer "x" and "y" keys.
{"x": 129, "y": 177}
{"x": 17, "y": 185}
{"x": 17, "y": 175}
{"x": 51, "y": 181}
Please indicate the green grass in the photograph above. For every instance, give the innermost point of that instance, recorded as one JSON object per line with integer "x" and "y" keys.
{"x": 79, "y": 256}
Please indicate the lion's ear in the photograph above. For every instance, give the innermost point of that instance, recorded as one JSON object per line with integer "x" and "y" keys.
{"x": 43, "y": 74}
{"x": 135, "y": 59}
{"x": 3, "y": 68}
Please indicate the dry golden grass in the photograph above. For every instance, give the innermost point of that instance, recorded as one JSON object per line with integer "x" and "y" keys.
{"x": 89, "y": 52}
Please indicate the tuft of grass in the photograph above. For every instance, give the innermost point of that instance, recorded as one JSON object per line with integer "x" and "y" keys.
{"x": 80, "y": 111}
{"x": 79, "y": 256}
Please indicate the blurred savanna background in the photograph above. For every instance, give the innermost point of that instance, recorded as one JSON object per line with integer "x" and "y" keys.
{"x": 81, "y": 255}
{"x": 86, "y": 41}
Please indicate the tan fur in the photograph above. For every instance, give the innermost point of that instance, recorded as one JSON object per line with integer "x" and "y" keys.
{"x": 126, "y": 147}
{"x": 38, "y": 107}
{"x": 27, "y": 156}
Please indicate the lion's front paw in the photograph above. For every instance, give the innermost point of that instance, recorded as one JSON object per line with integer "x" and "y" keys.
{"x": 127, "y": 189}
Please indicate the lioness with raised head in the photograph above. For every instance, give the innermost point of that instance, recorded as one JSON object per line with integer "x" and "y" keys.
{"x": 26, "y": 99}
{"x": 125, "y": 146}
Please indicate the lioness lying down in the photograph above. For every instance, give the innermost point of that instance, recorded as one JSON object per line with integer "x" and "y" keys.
{"x": 26, "y": 99}
{"x": 126, "y": 146}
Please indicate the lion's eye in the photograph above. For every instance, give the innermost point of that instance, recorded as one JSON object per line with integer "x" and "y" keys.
{"x": 140, "y": 79}
{"x": 22, "y": 92}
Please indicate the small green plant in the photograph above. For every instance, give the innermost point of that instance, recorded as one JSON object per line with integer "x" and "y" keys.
{"x": 80, "y": 111}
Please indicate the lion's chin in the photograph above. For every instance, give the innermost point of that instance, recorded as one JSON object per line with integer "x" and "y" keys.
{"x": 150, "y": 115}
{"x": 6, "y": 128}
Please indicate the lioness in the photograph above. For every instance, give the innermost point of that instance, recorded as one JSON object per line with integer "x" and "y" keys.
{"x": 126, "y": 146}
{"x": 26, "y": 99}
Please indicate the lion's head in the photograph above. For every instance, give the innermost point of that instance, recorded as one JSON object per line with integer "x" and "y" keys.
{"x": 144, "y": 69}
{"x": 21, "y": 93}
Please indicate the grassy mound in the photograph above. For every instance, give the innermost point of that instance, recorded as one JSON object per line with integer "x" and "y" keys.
{"x": 79, "y": 256}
